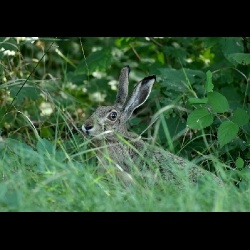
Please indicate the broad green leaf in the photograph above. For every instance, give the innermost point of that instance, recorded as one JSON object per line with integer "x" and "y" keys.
{"x": 96, "y": 61}
{"x": 239, "y": 162}
{"x": 218, "y": 102}
{"x": 239, "y": 58}
{"x": 197, "y": 100}
{"x": 26, "y": 92}
{"x": 231, "y": 45}
{"x": 177, "y": 76}
{"x": 209, "y": 85}
{"x": 199, "y": 118}
{"x": 171, "y": 51}
{"x": 233, "y": 95}
{"x": 240, "y": 117}
{"x": 227, "y": 131}
{"x": 76, "y": 79}
{"x": 8, "y": 44}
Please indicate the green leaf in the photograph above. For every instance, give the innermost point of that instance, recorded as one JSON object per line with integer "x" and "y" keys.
{"x": 96, "y": 61}
{"x": 44, "y": 146}
{"x": 199, "y": 118}
{"x": 248, "y": 155}
{"x": 212, "y": 41}
{"x": 178, "y": 77}
{"x": 239, "y": 58}
{"x": 227, "y": 131}
{"x": 197, "y": 100}
{"x": 240, "y": 117}
{"x": 76, "y": 79}
{"x": 218, "y": 102}
{"x": 26, "y": 92}
{"x": 8, "y": 44}
{"x": 239, "y": 163}
{"x": 231, "y": 45}
{"x": 209, "y": 85}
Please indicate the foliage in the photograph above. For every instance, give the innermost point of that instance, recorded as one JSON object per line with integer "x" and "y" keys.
{"x": 199, "y": 106}
{"x": 41, "y": 180}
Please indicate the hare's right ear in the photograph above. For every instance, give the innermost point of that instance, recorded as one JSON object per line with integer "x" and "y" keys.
{"x": 139, "y": 96}
{"x": 123, "y": 87}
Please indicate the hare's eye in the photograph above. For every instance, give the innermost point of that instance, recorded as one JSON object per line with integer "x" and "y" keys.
{"x": 112, "y": 116}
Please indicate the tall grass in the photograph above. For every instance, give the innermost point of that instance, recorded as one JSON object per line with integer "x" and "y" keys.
{"x": 60, "y": 174}
{"x": 57, "y": 176}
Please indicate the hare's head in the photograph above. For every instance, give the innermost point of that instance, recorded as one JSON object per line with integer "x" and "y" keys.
{"x": 108, "y": 119}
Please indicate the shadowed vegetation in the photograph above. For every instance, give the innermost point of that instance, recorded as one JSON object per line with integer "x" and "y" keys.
{"x": 198, "y": 109}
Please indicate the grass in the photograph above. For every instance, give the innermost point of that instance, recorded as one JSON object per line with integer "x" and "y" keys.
{"x": 41, "y": 175}
{"x": 43, "y": 178}
{"x": 56, "y": 175}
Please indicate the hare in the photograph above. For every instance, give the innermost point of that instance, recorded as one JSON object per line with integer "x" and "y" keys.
{"x": 124, "y": 149}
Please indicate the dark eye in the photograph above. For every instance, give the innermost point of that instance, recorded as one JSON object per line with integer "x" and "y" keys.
{"x": 112, "y": 116}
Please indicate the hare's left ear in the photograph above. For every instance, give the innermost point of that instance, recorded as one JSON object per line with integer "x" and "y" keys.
{"x": 122, "y": 92}
{"x": 139, "y": 96}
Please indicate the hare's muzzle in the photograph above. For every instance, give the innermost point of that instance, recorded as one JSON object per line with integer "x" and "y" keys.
{"x": 87, "y": 128}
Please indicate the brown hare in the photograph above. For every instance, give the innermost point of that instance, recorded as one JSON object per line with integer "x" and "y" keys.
{"x": 125, "y": 150}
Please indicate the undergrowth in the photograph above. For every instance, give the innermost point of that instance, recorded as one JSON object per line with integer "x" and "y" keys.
{"x": 198, "y": 109}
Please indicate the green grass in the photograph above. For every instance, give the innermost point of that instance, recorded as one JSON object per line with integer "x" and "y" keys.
{"x": 42, "y": 178}
{"x": 55, "y": 175}
{"x": 41, "y": 175}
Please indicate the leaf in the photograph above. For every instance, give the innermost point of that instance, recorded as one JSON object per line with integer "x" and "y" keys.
{"x": 212, "y": 41}
{"x": 233, "y": 95}
{"x": 227, "y": 131}
{"x": 8, "y": 43}
{"x": 177, "y": 76}
{"x": 239, "y": 58}
{"x": 209, "y": 85}
{"x": 231, "y": 45}
{"x": 124, "y": 41}
{"x": 218, "y": 102}
{"x": 76, "y": 79}
{"x": 239, "y": 163}
{"x": 174, "y": 52}
{"x": 44, "y": 146}
{"x": 240, "y": 117}
{"x": 248, "y": 155}
{"x": 197, "y": 100}
{"x": 199, "y": 118}
{"x": 96, "y": 61}
{"x": 26, "y": 92}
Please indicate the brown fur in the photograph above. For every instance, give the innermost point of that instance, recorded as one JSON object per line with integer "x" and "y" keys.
{"x": 107, "y": 127}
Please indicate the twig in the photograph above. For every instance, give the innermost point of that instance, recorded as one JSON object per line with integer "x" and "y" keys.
{"x": 155, "y": 42}
{"x": 137, "y": 55}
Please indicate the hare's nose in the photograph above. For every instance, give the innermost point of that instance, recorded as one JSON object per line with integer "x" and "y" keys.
{"x": 88, "y": 127}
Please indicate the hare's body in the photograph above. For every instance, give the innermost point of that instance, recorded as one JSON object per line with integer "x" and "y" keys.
{"x": 124, "y": 149}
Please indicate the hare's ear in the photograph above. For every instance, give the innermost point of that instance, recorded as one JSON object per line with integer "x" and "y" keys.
{"x": 123, "y": 87}
{"x": 139, "y": 96}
